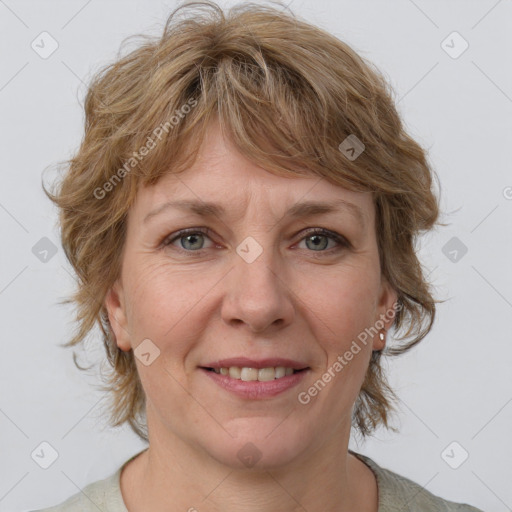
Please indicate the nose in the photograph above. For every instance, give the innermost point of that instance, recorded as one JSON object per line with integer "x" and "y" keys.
{"x": 257, "y": 294}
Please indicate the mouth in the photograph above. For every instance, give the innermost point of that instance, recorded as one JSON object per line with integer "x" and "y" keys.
{"x": 248, "y": 374}
{"x": 252, "y": 379}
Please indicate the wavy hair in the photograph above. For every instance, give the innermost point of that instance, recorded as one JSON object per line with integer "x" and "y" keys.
{"x": 288, "y": 94}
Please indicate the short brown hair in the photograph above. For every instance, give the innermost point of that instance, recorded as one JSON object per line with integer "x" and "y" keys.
{"x": 288, "y": 94}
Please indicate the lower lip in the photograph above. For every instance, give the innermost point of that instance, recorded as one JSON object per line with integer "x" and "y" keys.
{"x": 254, "y": 389}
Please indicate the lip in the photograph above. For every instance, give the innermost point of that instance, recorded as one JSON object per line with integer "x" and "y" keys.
{"x": 244, "y": 362}
{"x": 255, "y": 390}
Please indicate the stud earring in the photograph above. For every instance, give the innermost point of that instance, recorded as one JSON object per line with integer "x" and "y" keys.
{"x": 382, "y": 336}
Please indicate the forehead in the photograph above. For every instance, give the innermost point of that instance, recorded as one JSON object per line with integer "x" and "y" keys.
{"x": 223, "y": 177}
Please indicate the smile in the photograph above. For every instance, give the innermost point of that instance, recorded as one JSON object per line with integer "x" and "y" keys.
{"x": 249, "y": 384}
{"x": 251, "y": 374}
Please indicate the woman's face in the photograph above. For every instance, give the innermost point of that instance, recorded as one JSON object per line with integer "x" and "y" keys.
{"x": 253, "y": 285}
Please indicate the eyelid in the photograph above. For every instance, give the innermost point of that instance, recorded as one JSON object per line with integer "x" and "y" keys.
{"x": 341, "y": 240}
{"x": 169, "y": 239}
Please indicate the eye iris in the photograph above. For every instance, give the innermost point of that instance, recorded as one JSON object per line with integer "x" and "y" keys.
{"x": 318, "y": 242}
{"x": 315, "y": 241}
{"x": 195, "y": 236}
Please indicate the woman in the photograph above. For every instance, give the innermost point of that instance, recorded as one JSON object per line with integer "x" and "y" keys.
{"x": 242, "y": 214}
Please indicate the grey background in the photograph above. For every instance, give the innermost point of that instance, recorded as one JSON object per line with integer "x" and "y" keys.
{"x": 456, "y": 386}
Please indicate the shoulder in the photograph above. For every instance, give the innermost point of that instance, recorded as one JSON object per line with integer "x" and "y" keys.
{"x": 104, "y": 495}
{"x": 399, "y": 493}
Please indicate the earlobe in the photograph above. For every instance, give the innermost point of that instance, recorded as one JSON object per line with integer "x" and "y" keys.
{"x": 116, "y": 309}
{"x": 387, "y": 312}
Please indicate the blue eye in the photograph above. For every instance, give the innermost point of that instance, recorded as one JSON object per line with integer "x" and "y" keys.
{"x": 189, "y": 237}
{"x": 192, "y": 240}
{"x": 318, "y": 236}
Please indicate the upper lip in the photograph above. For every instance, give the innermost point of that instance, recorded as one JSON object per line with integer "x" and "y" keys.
{"x": 244, "y": 362}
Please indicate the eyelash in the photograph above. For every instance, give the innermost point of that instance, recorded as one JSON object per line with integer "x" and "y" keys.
{"x": 340, "y": 240}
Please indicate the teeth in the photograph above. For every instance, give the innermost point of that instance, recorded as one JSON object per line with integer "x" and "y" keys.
{"x": 280, "y": 372}
{"x": 251, "y": 374}
{"x": 266, "y": 374}
{"x": 235, "y": 372}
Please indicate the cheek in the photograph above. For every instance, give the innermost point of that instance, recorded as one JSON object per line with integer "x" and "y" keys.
{"x": 167, "y": 306}
{"x": 341, "y": 310}
{"x": 156, "y": 300}
{"x": 346, "y": 299}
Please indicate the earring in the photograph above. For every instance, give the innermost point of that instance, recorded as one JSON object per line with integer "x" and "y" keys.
{"x": 382, "y": 336}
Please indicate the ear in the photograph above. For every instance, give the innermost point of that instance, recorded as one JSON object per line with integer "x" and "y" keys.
{"x": 386, "y": 313}
{"x": 116, "y": 308}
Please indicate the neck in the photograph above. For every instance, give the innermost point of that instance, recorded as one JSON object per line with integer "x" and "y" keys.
{"x": 173, "y": 475}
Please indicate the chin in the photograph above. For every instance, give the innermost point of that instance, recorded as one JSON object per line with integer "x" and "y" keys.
{"x": 259, "y": 444}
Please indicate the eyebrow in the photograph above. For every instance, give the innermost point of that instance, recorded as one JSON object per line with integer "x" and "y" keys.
{"x": 304, "y": 209}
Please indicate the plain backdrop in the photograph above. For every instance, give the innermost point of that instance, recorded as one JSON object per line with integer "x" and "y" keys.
{"x": 454, "y": 91}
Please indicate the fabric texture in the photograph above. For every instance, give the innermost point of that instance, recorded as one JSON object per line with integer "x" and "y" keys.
{"x": 396, "y": 494}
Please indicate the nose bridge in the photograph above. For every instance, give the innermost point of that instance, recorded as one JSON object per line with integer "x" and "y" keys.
{"x": 256, "y": 252}
{"x": 257, "y": 261}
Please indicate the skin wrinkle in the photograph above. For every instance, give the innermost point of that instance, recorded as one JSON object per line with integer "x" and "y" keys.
{"x": 150, "y": 107}
{"x": 146, "y": 112}
{"x": 285, "y": 303}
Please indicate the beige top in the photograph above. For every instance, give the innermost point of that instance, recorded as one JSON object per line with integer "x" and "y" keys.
{"x": 396, "y": 493}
